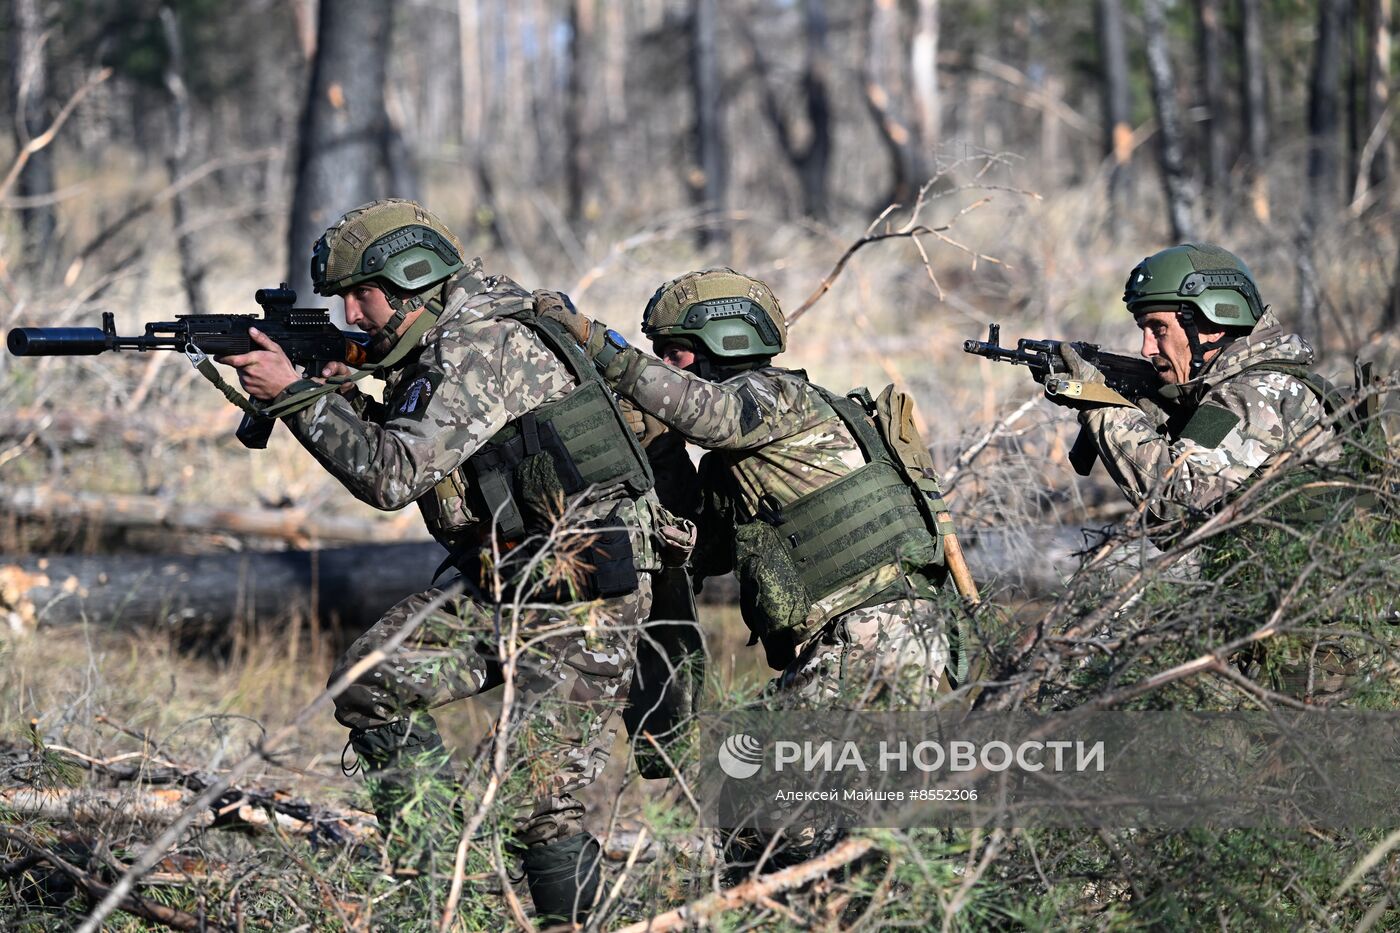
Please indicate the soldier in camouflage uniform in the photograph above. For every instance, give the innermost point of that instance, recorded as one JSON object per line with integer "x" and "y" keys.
{"x": 838, "y": 572}
{"x": 1237, "y": 393}
{"x": 1236, "y": 384}
{"x": 502, "y": 433}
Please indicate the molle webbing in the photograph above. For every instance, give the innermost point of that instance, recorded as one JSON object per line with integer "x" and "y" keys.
{"x": 584, "y": 434}
{"x": 595, "y": 423}
{"x": 865, "y": 520}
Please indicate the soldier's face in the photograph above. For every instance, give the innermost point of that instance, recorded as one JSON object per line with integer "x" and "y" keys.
{"x": 367, "y": 308}
{"x": 675, "y": 354}
{"x": 1164, "y": 344}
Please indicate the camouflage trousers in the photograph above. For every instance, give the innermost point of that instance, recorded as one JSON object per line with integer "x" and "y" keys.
{"x": 889, "y": 656}
{"x": 572, "y": 673}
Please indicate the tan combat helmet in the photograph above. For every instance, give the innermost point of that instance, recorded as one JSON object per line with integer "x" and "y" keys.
{"x": 397, "y": 244}
{"x": 394, "y": 241}
{"x": 729, "y": 316}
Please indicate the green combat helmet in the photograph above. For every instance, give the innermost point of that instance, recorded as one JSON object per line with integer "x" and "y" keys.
{"x": 1211, "y": 280}
{"x": 729, "y": 316}
{"x": 1199, "y": 279}
{"x": 397, "y": 244}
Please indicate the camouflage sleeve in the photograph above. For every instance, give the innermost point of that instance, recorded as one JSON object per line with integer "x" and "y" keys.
{"x": 747, "y": 411}
{"x": 463, "y": 388}
{"x": 1183, "y": 477}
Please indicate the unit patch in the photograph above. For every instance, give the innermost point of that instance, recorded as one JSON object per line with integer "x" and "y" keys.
{"x": 415, "y": 398}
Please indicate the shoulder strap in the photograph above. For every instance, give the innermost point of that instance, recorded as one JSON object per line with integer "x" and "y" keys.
{"x": 562, "y": 344}
{"x": 856, "y": 416}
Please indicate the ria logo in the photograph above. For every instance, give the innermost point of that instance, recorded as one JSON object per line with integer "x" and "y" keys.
{"x": 740, "y": 756}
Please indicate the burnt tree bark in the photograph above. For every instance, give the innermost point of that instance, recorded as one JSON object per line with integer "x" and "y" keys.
{"x": 207, "y": 593}
{"x": 810, "y": 160}
{"x": 343, "y": 126}
{"x": 1212, "y": 127}
{"x": 30, "y": 83}
{"x": 1255, "y": 107}
{"x": 1117, "y": 102}
{"x": 1161, "y": 76}
{"x": 709, "y": 177}
{"x": 1324, "y": 109}
{"x": 581, "y": 110}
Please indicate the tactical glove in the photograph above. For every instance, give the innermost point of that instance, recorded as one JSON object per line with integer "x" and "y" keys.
{"x": 557, "y": 307}
{"x": 644, "y": 425}
{"x": 1079, "y": 369}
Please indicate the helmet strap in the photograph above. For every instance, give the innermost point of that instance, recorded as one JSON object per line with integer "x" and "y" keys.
{"x": 403, "y": 307}
{"x": 1187, "y": 315}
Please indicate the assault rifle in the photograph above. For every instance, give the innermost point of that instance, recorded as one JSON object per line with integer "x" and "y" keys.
{"x": 306, "y": 334}
{"x": 1128, "y": 379}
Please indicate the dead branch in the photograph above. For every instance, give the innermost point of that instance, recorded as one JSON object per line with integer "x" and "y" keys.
{"x": 96, "y": 891}
{"x": 266, "y": 750}
{"x": 753, "y": 891}
{"x": 881, "y": 228}
{"x": 46, "y": 137}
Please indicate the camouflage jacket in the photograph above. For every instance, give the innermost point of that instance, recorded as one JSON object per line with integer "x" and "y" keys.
{"x": 470, "y": 374}
{"x": 776, "y": 438}
{"x": 1179, "y": 477}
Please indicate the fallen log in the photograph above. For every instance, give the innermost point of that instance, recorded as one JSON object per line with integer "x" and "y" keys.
{"x": 352, "y": 586}
{"x": 349, "y": 586}
{"x": 298, "y": 526}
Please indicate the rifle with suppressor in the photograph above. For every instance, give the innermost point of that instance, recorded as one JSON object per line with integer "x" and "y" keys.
{"x": 1128, "y": 380}
{"x": 306, "y": 335}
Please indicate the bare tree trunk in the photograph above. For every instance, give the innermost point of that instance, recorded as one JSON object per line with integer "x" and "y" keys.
{"x": 580, "y": 113}
{"x": 1324, "y": 107}
{"x": 812, "y": 160}
{"x": 924, "y": 67}
{"x": 1117, "y": 103}
{"x": 343, "y": 125}
{"x": 469, "y": 61}
{"x": 1212, "y": 128}
{"x": 30, "y": 81}
{"x": 710, "y": 177}
{"x": 1160, "y": 74}
{"x": 192, "y": 267}
{"x": 1377, "y": 87}
{"x": 885, "y": 95}
{"x": 1254, "y": 94}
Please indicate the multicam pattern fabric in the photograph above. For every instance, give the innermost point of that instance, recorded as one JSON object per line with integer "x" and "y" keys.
{"x": 781, "y": 438}
{"x": 889, "y": 656}
{"x": 473, "y": 372}
{"x": 571, "y": 679}
{"x": 781, "y": 441}
{"x": 1179, "y": 478}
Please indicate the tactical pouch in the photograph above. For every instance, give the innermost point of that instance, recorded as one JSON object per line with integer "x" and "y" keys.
{"x": 597, "y": 554}
{"x": 773, "y": 598}
{"x": 612, "y": 570}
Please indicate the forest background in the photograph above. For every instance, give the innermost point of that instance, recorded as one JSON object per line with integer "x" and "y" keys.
{"x": 918, "y": 169}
